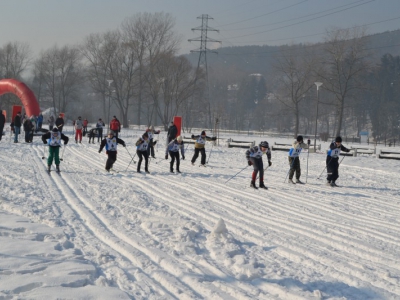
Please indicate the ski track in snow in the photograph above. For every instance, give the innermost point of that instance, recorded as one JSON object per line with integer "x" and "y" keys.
{"x": 151, "y": 235}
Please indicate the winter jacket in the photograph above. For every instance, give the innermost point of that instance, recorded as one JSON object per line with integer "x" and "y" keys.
{"x": 200, "y": 141}
{"x": 48, "y": 138}
{"x": 28, "y": 126}
{"x": 111, "y": 144}
{"x": 115, "y": 125}
{"x": 256, "y": 152}
{"x": 85, "y": 123}
{"x": 40, "y": 119}
{"x": 172, "y": 131}
{"x": 334, "y": 150}
{"x": 17, "y": 121}
{"x": 174, "y": 146}
{"x": 51, "y": 121}
{"x": 141, "y": 144}
{"x": 2, "y": 120}
{"x": 151, "y": 133}
{"x": 296, "y": 148}
{"x": 59, "y": 122}
{"x": 100, "y": 124}
{"x": 78, "y": 124}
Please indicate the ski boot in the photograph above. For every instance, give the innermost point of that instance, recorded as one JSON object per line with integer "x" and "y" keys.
{"x": 333, "y": 184}
{"x": 253, "y": 185}
{"x": 263, "y": 186}
{"x": 58, "y": 168}
{"x": 177, "y": 171}
{"x": 49, "y": 168}
{"x": 290, "y": 181}
{"x": 147, "y": 171}
{"x": 298, "y": 181}
{"x": 171, "y": 170}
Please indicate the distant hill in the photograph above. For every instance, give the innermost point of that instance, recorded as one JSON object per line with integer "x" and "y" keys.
{"x": 258, "y": 59}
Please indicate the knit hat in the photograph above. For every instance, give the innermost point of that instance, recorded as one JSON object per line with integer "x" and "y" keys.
{"x": 203, "y": 133}
{"x": 55, "y": 129}
{"x": 300, "y": 138}
{"x": 179, "y": 139}
{"x": 338, "y": 139}
{"x": 145, "y": 135}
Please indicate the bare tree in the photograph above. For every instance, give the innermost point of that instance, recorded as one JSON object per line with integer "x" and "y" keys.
{"x": 60, "y": 71}
{"x": 149, "y": 37}
{"x": 295, "y": 70}
{"x": 99, "y": 51}
{"x": 14, "y": 59}
{"x": 344, "y": 65}
{"x": 177, "y": 86}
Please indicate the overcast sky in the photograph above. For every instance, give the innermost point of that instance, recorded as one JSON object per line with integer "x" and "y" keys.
{"x": 44, "y": 23}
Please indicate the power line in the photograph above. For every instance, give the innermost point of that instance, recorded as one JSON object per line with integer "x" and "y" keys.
{"x": 264, "y": 14}
{"x": 315, "y": 34}
{"x": 320, "y": 12}
{"x": 301, "y": 21}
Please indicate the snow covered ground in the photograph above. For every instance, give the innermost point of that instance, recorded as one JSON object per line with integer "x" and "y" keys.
{"x": 83, "y": 234}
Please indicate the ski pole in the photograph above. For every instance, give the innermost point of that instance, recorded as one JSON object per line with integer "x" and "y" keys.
{"x": 210, "y": 153}
{"x": 342, "y": 159}
{"x": 308, "y": 154}
{"x": 62, "y": 155}
{"x": 128, "y": 152}
{"x": 131, "y": 162}
{"x": 324, "y": 168}
{"x": 236, "y": 174}
{"x": 291, "y": 166}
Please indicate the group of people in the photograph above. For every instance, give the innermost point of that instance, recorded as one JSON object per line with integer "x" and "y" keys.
{"x": 254, "y": 158}
{"x": 175, "y": 145}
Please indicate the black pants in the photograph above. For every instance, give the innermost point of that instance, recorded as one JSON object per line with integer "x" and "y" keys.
{"x": 99, "y": 134}
{"x": 258, "y": 166}
{"x": 142, "y": 154}
{"x": 112, "y": 158}
{"x": 294, "y": 163}
{"x": 60, "y": 129}
{"x": 174, "y": 155}
{"x": 150, "y": 148}
{"x": 1, "y": 132}
{"x": 332, "y": 165}
{"x": 196, "y": 155}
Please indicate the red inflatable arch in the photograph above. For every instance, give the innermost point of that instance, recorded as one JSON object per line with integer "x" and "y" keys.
{"x": 20, "y": 89}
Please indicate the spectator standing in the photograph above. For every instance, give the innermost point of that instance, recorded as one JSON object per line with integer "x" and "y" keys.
{"x": 85, "y": 124}
{"x": 17, "y": 126}
{"x": 60, "y": 123}
{"x": 2, "y": 122}
{"x": 51, "y": 122}
{"x": 172, "y": 132}
{"x": 100, "y": 125}
{"x": 39, "y": 122}
{"x": 115, "y": 126}
{"x": 78, "y": 130}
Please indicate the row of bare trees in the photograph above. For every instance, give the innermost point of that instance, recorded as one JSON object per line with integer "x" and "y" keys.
{"x": 133, "y": 69}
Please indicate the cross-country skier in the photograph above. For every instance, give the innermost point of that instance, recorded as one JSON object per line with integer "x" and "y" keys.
{"x": 151, "y": 132}
{"x": 254, "y": 158}
{"x": 111, "y": 142}
{"x": 53, "y": 139}
{"x": 92, "y": 134}
{"x": 332, "y": 161}
{"x": 294, "y": 160}
{"x": 141, "y": 151}
{"x": 199, "y": 147}
{"x": 173, "y": 150}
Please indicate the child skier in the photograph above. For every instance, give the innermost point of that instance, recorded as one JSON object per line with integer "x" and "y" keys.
{"x": 254, "y": 158}
{"x": 332, "y": 161}
{"x": 294, "y": 160}
{"x": 151, "y": 132}
{"x": 199, "y": 147}
{"x": 111, "y": 142}
{"x": 141, "y": 151}
{"x": 173, "y": 150}
{"x": 53, "y": 139}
